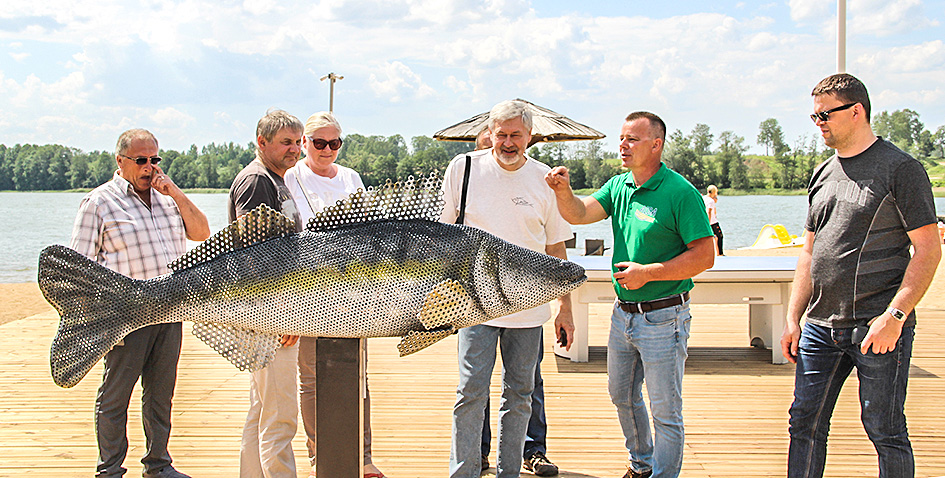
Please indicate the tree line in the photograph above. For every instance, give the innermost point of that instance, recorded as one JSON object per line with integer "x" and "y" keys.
{"x": 700, "y": 156}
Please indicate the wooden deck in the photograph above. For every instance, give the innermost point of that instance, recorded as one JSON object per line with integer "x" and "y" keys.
{"x": 736, "y": 405}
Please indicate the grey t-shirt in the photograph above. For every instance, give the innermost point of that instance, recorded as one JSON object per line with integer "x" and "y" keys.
{"x": 256, "y": 185}
{"x": 860, "y": 210}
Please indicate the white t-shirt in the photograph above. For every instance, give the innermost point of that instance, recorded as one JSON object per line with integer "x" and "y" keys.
{"x": 710, "y": 208}
{"x": 320, "y": 192}
{"x": 517, "y": 206}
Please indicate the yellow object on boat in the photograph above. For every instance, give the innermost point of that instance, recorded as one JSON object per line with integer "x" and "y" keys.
{"x": 775, "y": 236}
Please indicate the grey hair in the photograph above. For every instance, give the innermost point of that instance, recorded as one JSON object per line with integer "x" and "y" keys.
{"x": 128, "y": 137}
{"x": 321, "y": 120}
{"x": 508, "y": 110}
{"x": 274, "y": 121}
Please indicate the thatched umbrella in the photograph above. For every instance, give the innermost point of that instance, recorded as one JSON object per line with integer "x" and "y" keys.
{"x": 546, "y": 126}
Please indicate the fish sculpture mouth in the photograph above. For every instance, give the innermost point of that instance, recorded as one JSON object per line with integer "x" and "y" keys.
{"x": 378, "y": 264}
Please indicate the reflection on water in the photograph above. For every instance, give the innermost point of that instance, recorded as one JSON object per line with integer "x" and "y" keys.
{"x": 36, "y": 220}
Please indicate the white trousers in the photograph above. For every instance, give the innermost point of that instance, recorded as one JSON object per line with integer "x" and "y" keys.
{"x": 272, "y": 421}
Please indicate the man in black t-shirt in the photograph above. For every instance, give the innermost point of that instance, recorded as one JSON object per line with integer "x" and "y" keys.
{"x": 272, "y": 420}
{"x": 858, "y": 283}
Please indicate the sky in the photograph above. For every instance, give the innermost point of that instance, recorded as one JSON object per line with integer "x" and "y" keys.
{"x": 80, "y": 72}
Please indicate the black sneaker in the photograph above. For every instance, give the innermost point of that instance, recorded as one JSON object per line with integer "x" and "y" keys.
{"x": 484, "y": 464}
{"x": 540, "y": 465}
{"x": 637, "y": 474}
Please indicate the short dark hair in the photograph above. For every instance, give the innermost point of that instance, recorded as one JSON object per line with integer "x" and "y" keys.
{"x": 847, "y": 88}
{"x": 657, "y": 125}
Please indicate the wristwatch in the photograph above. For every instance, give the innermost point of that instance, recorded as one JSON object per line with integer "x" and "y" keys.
{"x": 896, "y": 314}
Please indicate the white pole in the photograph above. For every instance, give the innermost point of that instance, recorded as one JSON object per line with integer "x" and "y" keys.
{"x": 841, "y": 36}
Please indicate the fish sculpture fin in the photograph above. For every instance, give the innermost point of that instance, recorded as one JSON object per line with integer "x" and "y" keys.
{"x": 447, "y": 301}
{"x": 95, "y": 305}
{"x": 420, "y": 198}
{"x": 258, "y": 225}
{"x": 247, "y": 349}
{"x": 417, "y": 340}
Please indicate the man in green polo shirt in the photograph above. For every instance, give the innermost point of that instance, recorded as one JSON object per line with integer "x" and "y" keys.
{"x": 662, "y": 239}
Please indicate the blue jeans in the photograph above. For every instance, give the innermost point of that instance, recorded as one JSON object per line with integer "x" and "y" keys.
{"x": 477, "y": 354}
{"x": 825, "y": 359}
{"x": 537, "y": 424}
{"x": 650, "y": 347}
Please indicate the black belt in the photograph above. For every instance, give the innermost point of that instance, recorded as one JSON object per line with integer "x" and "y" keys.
{"x": 641, "y": 307}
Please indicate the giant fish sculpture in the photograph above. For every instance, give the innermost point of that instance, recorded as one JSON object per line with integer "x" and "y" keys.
{"x": 377, "y": 264}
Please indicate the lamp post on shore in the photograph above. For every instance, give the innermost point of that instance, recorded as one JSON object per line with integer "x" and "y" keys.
{"x": 331, "y": 95}
{"x": 841, "y": 36}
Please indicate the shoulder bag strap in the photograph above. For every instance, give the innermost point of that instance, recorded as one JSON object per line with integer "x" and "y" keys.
{"x": 462, "y": 200}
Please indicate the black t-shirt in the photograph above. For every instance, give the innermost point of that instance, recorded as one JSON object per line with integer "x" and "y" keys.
{"x": 256, "y": 185}
{"x": 860, "y": 211}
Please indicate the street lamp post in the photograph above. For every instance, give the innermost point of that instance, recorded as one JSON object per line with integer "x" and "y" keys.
{"x": 331, "y": 95}
{"x": 841, "y": 36}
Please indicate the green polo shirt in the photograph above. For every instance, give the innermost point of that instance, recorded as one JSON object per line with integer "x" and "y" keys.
{"x": 653, "y": 223}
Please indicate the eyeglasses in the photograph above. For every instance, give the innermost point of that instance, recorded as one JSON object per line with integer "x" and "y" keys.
{"x": 142, "y": 160}
{"x": 825, "y": 115}
{"x": 320, "y": 144}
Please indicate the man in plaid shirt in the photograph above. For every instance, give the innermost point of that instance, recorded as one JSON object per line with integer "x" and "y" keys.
{"x": 136, "y": 224}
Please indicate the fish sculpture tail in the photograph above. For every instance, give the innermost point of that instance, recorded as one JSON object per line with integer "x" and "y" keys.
{"x": 94, "y": 304}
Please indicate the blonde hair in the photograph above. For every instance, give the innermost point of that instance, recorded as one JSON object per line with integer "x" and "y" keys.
{"x": 321, "y": 120}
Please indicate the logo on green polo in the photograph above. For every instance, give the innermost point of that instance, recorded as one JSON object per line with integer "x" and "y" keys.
{"x": 645, "y": 213}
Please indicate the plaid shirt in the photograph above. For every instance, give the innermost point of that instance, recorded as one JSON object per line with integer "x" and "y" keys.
{"x": 116, "y": 229}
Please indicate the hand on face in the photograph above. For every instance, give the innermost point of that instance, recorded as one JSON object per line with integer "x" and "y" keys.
{"x": 161, "y": 183}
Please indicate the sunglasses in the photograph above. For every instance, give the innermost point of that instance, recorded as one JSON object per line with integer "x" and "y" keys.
{"x": 142, "y": 160}
{"x": 320, "y": 144}
{"x": 825, "y": 115}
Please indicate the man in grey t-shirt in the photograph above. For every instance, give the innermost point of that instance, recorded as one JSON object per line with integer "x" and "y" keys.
{"x": 272, "y": 420}
{"x": 858, "y": 283}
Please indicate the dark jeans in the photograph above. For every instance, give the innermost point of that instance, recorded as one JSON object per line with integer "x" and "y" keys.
{"x": 717, "y": 230}
{"x": 150, "y": 353}
{"x": 825, "y": 358}
{"x": 537, "y": 425}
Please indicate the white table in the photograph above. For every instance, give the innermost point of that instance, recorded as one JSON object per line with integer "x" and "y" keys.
{"x": 762, "y": 282}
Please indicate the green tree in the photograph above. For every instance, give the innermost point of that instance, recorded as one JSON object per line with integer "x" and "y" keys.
{"x": 730, "y": 156}
{"x": 938, "y": 140}
{"x": 902, "y": 127}
{"x": 701, "y": 139}
{"x": 772, "y": 137}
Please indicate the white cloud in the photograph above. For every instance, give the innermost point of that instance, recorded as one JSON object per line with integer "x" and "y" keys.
{"x": 171, "y": 117}
{"x": 887, "y": 17}
{"x": 924, "y": 57}
{"x": 803, "y": 10}
{"x": 19, "y": 56}
{"x": 396, "y": 82}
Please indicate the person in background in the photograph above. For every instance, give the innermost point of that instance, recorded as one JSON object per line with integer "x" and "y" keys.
{"x": 317, "y": 182}
{"x": 858, "y": 283}
{"x": 662, "y": 239}
{"x": 272, "y": 419}
{"x": 711, "y": 198}
{"x": 506, "y": 197}
{"x": 136, "y": 224}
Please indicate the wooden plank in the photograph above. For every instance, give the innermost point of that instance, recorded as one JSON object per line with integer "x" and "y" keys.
{"x": 735, "y": 400}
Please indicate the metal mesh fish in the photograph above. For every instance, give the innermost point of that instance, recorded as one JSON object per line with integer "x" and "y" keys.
{"x": 374, "y": 265}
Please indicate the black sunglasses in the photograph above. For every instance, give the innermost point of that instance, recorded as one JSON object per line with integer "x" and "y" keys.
{"x": 825, "y": 115}
{"x": 320, "y": 144}
{"x": 142, "y": 160}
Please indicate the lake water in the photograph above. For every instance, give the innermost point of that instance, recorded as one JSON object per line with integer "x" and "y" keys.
{"x": 36, "y": 220}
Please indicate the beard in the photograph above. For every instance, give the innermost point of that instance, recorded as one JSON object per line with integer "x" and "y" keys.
{"x": 509, "y": 157}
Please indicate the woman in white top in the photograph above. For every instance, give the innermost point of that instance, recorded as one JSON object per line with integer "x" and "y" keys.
{"x": 316, "y": 182}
